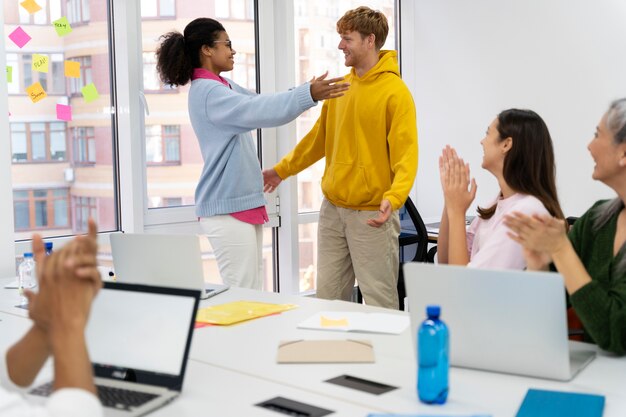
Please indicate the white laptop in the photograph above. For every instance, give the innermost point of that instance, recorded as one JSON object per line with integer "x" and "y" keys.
{"x": 126, "y": 323}
{"x": 503, "y": 321}
{"x": 165, "y": 260}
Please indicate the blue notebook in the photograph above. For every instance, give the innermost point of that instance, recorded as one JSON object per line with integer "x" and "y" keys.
{"x": 542, "y": 403}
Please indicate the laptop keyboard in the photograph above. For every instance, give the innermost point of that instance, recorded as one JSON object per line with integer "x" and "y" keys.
{"x": 118, "y": 398}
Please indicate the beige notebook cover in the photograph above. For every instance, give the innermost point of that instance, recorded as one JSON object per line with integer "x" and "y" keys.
{"x": 325, "y": 351}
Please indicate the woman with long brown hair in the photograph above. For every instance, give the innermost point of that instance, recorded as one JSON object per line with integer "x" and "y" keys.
{"x": 518, "y": 152}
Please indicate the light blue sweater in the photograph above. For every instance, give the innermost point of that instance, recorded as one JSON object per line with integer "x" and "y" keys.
{"x": 222, "y": 119}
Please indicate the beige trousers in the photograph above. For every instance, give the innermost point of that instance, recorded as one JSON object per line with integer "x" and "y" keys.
{"x": 349, "y": 248}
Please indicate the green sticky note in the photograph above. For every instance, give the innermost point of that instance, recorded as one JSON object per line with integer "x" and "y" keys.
{"x": 62, "y": 26}
{"x": 90, "y": 93}
{"x": 9, "y": 74}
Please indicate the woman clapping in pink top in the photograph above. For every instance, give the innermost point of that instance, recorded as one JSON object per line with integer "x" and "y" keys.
{"x": 518, "y": 152}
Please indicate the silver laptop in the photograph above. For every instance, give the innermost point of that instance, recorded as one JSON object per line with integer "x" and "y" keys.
{"x": 165, "y": 260}
{"x": 503, "y": 321}
{"x": 126, "y": 323}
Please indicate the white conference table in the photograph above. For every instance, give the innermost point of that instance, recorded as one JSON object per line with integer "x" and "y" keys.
{"x": 232, "y": 368}
{"x": 252, "y": 348}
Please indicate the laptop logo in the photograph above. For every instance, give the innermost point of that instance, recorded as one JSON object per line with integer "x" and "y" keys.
{"x": 119, "y": 374}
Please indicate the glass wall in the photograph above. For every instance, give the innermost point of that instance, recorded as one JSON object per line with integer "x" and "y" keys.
{"x": 61, "y": 129}
{"x": 316, "y": 52}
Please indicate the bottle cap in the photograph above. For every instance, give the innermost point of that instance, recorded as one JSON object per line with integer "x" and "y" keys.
{"x": 48, "y": 245}
{"x": 28, "y": 254}
{"x": 433, "y": 310}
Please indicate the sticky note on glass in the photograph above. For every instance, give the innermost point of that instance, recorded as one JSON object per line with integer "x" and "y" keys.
{"x": 72, "y": 69}
{"x": 9, "y": 74}
{"x": 64, "y": 112}
{"x": 36, "y": 92}
{"x": 62, "y": 26}
{"x": 40, "y": 63}
{"x": 328, "y": 322}
{"x": 90, "y": 93}
{"x": 19, "y": 37}
{"x": 31, "y": 6}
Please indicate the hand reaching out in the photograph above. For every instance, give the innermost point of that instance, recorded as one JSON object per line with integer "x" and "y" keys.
{"x": 271, "y": 180}
{"x": 322, "y": 89}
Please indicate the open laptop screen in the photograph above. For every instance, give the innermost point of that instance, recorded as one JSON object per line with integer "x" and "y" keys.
{"x": 138, "y": 330}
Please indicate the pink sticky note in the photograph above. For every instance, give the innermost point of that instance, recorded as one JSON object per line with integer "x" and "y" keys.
{"x": 64, "y": 112}
{"x": 19, "y": 37}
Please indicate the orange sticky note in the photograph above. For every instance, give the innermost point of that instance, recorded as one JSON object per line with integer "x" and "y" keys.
{"x": 90, "y": 93}
{"x": 31, "y": 6}
{"x": 72, "y": 69}
{"x": 36, "y": 92}
{"x": 40, "y": 63}
{"x": 328, "y": 322}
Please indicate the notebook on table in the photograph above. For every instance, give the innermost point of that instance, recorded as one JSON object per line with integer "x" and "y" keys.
{"x": 165, "y": 260}
{"x": 499, "y": 320}
{"x": 138, "y": 338}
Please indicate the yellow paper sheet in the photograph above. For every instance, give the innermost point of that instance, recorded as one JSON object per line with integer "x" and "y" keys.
{"x": 239, "y": 311}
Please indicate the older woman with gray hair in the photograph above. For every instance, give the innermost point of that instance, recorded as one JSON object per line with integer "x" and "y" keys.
{"x": 593, "y": 259}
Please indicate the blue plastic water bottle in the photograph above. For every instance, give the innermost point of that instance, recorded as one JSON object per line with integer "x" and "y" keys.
{"x": 433, "y": 358}
{"x": 48, "y": 246}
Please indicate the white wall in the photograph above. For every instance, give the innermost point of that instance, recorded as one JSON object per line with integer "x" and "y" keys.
{"x": 565, "y": 59}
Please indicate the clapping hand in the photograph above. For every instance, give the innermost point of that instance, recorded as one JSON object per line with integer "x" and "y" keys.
{"x": 458, "y": 190}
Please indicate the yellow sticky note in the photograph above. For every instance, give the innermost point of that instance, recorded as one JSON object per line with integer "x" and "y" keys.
{"x": 40, "y": 63}
{"x": 9, "y": 74}
{"x": 62, "y": 26}
{"x": 90, "y": 93}
{"x": 36, "y": 92}
{"x": 328, "y": 322}
{"x": 72, "y": 69}
{"x": 31, "y": 6}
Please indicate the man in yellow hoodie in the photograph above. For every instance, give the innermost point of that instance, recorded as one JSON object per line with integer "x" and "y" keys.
{"x": 369, "y": 139}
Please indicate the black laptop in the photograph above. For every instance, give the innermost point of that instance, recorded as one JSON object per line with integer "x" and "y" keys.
{"x": 138, "y": 338}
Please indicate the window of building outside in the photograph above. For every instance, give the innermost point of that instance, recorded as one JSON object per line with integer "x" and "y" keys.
{"x": 38, "y": 142}
{"x": 41, "y": 209}
{"x": 234, "y": 9}
{"x": 50, "y": 12}
{"x": 79, "y": 11}
{"x": 62, "y": 163}
{"x": 158, "y": 8}
{"x": 173, "y": 158}
{"x": 316, "y": 52}
{"x": 83, "y": 145}
{"x": 162, "y": 144}
{"x": 85, "y": 71}
{"x": 23, "y": 74}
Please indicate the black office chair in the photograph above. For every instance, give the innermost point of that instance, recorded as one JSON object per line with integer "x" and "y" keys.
{"x": 421, "y": 251}
{"x": 419, "y": 238}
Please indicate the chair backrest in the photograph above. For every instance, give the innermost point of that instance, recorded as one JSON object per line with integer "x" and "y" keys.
{"x": 421, "y": 237}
